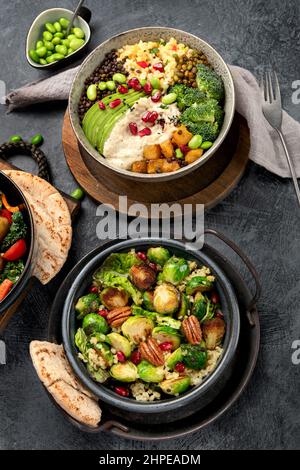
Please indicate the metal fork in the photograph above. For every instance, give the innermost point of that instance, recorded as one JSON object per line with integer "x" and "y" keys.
{"x": 272, "y": 109}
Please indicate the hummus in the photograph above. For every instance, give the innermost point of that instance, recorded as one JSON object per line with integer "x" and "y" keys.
{"x": 122, "y": 148}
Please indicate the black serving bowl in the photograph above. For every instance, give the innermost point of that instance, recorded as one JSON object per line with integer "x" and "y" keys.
{"x": 16, "y": 197}
{"x": 170, "y": 409}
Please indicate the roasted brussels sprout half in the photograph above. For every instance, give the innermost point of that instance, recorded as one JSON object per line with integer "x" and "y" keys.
{"x": 148, "y": 300}
{"x": 97, "y": 338}
{"x": 175, "y": 270}
{"x": 124, "y": 372}
{"x": 158, "y": 255}
{"x": 81, "y": 341}
{"x": 99, "y": 375}
{"x": 137, "y": 329}
{"x": 119, "y": 343}
{"x": 194, "y": 356}
{"x": 94, "y": 323}
{"x": 112, "y": 279}
{"x": 136, "y": 310}
{"x": 198, "y": 284}
{"x": 142, "y": 276}
{"x": 175, "y": 357}
{"x": 200, "y": 306}
{"x": 175, "y": 386}
{"x": 169, "y": 321}
{"x": 166, "y": 299}
{"x": 149, "y": 373}
{"x": 87, "y": 304}
{"x": 112, "y": 297}
{"x": 104, "y": 351}
{"x": 165, "y": 334}
{"x": 184, "y": 306}
{"x": 117, "y": 263}
{"x": 213, "y": 332}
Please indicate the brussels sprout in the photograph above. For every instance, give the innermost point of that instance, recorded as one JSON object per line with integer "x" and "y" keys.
{"x": 169, "y": 321}
{"x": 97, "y": 338}
{"x": 99, "y": 375}
{"x": 194, "y": 356}
{"x": 149, "y": 373}
{"x": 124, "y": 372}
{"x": 175, "y": 270}
{"x": 117, "y": 263}
{"x": 198, "y": 283}
{"x": 200, "y": 306}
{"x": 166, "y": 299}
{"x": 112, "y": 279}
{"x": 143, "y": 313}
{"x": 143, "y": 277}
{"x": 175, "y": 386}
{"x": 165, "y": 334}
{"x": 148, "y": 300}
{"x": 175, "y": 357}
{"x": 81, "y": 341}
{"x": 184, "y": 306}
{"x": 94, "y": 323}
{"x": 105, "y": 352}
{"x": 213, "y": 332}
{"x": 158, "y": 255}
{"x": 112, "y": 297}
{"x": 87, "y": 304}
{"x": 120, "y": 343}
{"x": 137, "y": 329}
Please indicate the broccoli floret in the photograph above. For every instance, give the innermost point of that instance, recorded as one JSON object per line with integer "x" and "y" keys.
{"x": 210, "y": 83}
{"x": 18, "y": 230}
{"x": 205, "y": 119}
{"x": 187, "y": 96}
{"x": 209, "y": 132}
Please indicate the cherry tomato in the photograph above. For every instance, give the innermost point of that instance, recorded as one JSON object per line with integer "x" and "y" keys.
{"x": 16, "y": 251}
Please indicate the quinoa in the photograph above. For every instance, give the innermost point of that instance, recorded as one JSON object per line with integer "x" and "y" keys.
{"x": 143, "y": 392}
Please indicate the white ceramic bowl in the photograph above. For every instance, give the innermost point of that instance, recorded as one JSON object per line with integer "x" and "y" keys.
{"x": 151, "y": 34}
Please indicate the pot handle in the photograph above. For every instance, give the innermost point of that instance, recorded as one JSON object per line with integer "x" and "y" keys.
{"x": 249, "y": 265}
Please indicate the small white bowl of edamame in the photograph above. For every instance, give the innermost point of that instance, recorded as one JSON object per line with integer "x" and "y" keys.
{"x": 47, "y": 44}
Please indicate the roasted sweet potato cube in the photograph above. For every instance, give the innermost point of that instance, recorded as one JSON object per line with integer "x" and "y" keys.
{"x": 139, "y": 167}
{"x": 152, "y": 152}
{"x": 193, "y": 155}
{"x": 155, "y": 166}
{"x": 167, "y": 148}
{"x": 182, "y": 136}
{"x": 168, "y": 167}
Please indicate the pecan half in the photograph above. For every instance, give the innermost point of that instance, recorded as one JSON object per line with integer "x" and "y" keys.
{"x": 191, "y": 329}
{"x": 118, "y": 316}
{"x": 151, "y": 352}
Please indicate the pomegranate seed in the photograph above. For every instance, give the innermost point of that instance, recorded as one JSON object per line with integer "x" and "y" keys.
{"x": 113, "y": 104}
{"x": 141, "y": 255}
{"x": 146, "y": 116}
{"x": 167, "y": 346}
{"x": 180, "y": 367}
{"x": 153, "y": 266}
{"x": 143, "y": 64}
{"x": 147, "y": 88}
{"x": 121, "y": 356}
{"x": 135, "y": 84}
{"x": 153, "y": 116}
{"x": 156, "y": 97}
{"x": 93, "y": 290}
{"x": 215, "y": 298}
{"x": 136, "y": 357}
{"x": 219, "y": 314}
{"x": 158, "y": 67}
{"x": 122, "y": 391}
{"x": 123, "y": 89}
{"x": 101, "y": 105}
{"x": 133, "y": 128}
{"x": 145, "y": 131}
{"x": 184, "y": 148}
{"x": 102, "y": 312}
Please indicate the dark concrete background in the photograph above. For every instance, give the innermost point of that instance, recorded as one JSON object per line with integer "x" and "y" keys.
{"x": 261, "y": 215}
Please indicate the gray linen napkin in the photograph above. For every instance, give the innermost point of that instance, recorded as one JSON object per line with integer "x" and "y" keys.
{"x": 266, "y": 149}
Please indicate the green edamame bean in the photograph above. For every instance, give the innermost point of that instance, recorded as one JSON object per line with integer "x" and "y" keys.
{"x": 43, "y": 62}
{"x": 47, "y": 36}
{"x": 91, "y": 92}
{"x": 58, "y": 56}
{"x": 56, "y": 41}
{"x": 59, "y": 35}
{"x": 155, "y": 83}
{"x": 64, "y": 22}
{"x": 206, "y": 145}
{"x": 71, "y": 36}
{"x": 111, "y": 85}
{"x": 65, "y": 42}
{"x": 76, "y": 43}
{"x": 37, "y": 139}
{"x": 39, "y": 44}
{"x": 50, "y": 28}
{"x": 169, "y": 99}
{"x": 119, "y": 77}
{"x": 77, "y": 194}
{"x": 41, "y": 51}
{"x": 195, "y": 142}
{"x": 178, "y": 153}
{"x": 70, "y": 51}
{"x": 49, "y": 53}
{"x": 61, "y": 50}
{"x": 49, "y": 45}
{"x": 143, "y": 81}
{"x": 102, "y": 86}
{"x": 78, "y": 33}
{"x": 15, "y": 138}
{"x": 33, "y": 55}
{"x": 57, "y": 26}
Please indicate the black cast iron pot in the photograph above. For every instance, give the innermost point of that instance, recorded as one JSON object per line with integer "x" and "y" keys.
{"x": 165, "y": 410}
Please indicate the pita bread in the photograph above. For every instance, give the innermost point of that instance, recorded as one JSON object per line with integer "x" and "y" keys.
{"x": 52, "y": 223}
{"x": 54, "y": 370}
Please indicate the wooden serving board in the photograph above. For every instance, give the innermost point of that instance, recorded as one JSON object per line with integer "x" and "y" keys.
{"x": 207, "y": 185}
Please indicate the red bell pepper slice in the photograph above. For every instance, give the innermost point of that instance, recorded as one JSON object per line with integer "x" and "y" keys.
{"x": 16, "y": 251}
